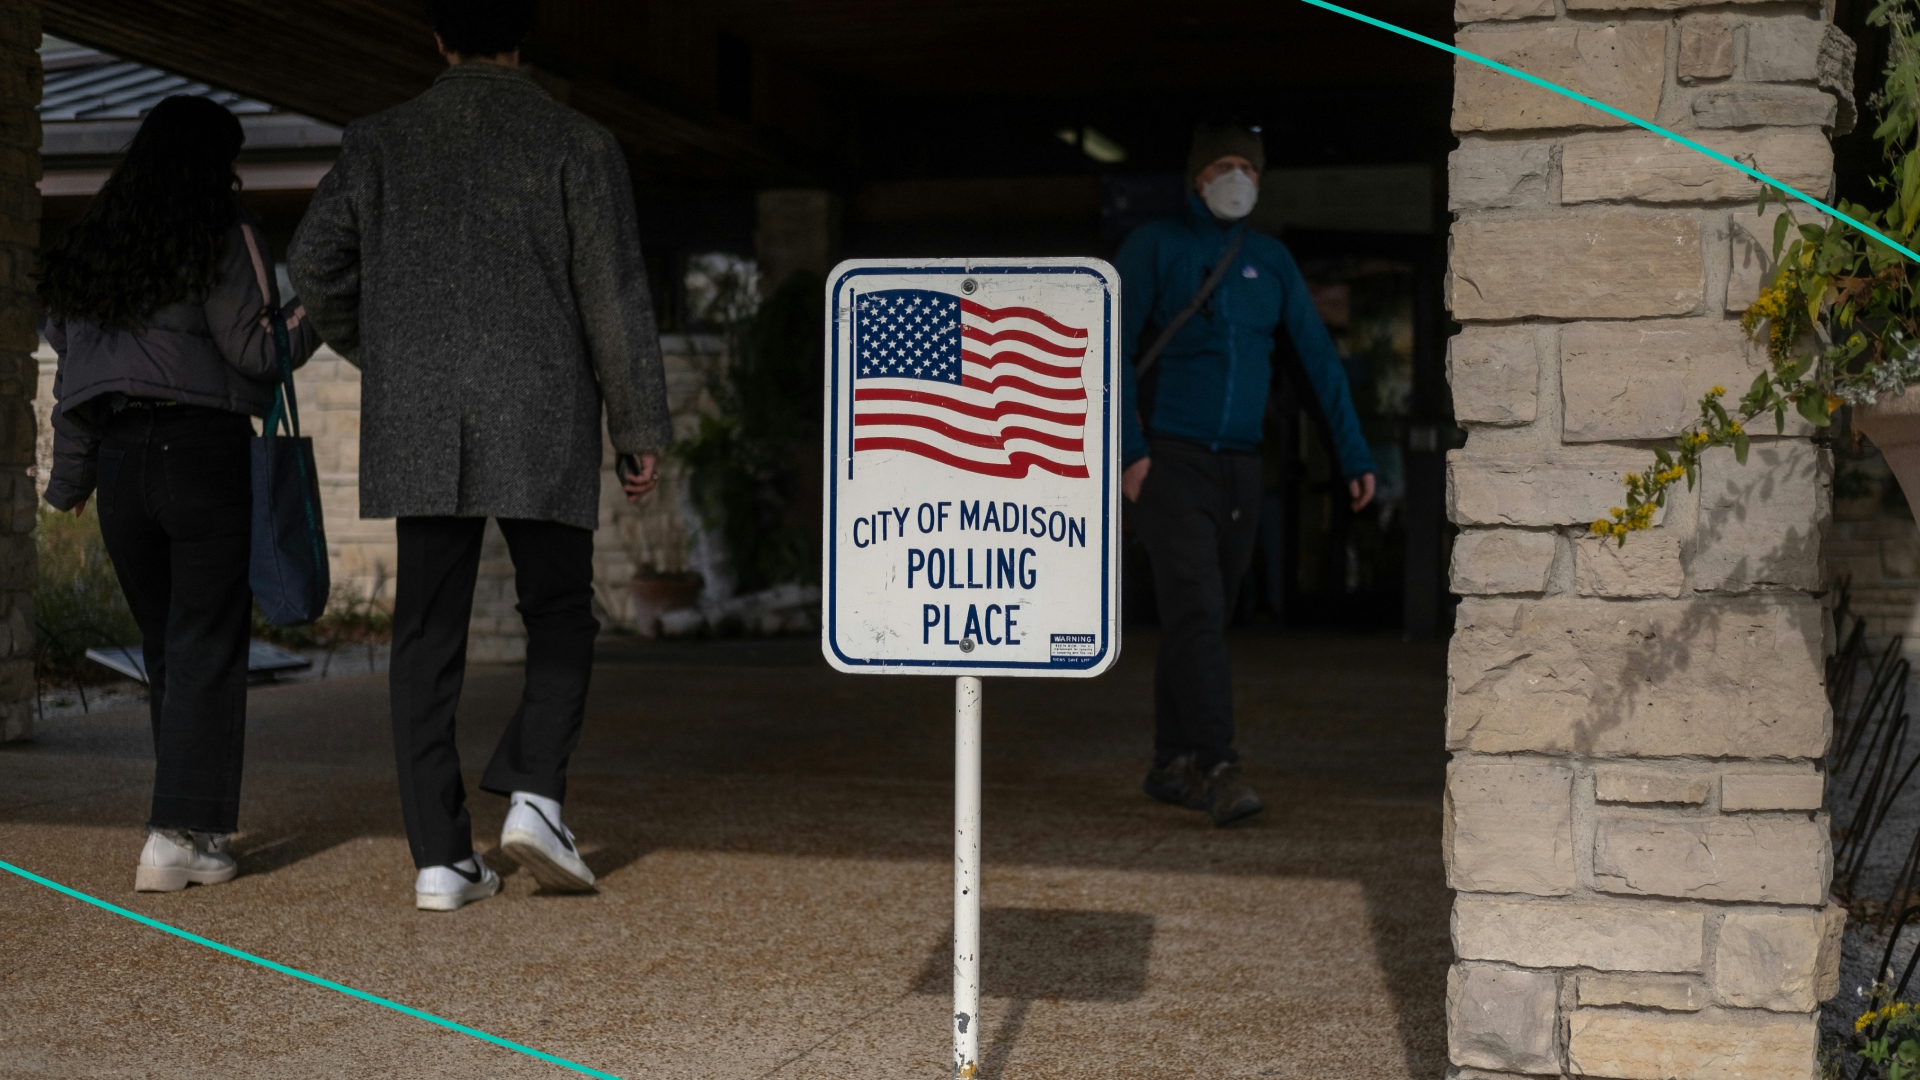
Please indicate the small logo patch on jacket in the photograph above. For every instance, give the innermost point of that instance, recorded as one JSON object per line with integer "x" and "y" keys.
{"x": 1249, "y": 272}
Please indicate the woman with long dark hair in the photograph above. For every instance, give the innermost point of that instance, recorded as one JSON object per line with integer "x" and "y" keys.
{"x": 158, "y": 303}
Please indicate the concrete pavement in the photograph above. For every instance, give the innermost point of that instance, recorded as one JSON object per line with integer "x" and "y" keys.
{"x": 773, "y": 841}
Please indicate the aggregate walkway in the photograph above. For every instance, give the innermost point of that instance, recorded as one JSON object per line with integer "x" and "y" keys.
{"x": 773, "y": 842}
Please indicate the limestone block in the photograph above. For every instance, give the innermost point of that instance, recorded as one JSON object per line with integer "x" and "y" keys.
{"x": 1783, "y": 50}
{"x": 1614, "y": 265}
{"x": 16, "y": 699}
{"x": 1495, "y": 175}
{"x": 327, "y": 394}
{"x": 1713, "y": 1044}
{"x": 1495, "y": 375}
{"x": 1760, "y": 523}
{"x": 1509, "y": 827}
{"x": 1649, "y": 5}
{"x": 1648, "y": 564}
{"x": 1467, "y": 11}
{"x": 1749, "y": 105}
{"x": 501, "y": 648}
{"x": 1834, "y": 73}
{"x": 1900, "y": 558}
{"x": 1649, "y": 784}
{"x": 1579, "y": 933}
{"x": 1642, "y": 991}
{"x": 1649, "y": 168}
{"x": 1498, "y": 1018}
{"x": 1622, "y": 65}
{"x": 1706, "y": 48}
{"x": 1771, "y": 791}
{"x": 18, "y": 432}
{"x": 1833, "y": 929}
{"x": 1569, "y": 489}
{"x": 1644, "y": 380}
{"x": 1760, "y": 859}
{"x": 1490, "y": 561}
{"x": 17, "y": 556}
{"x": 1706, "y": 676}
{"x": 1769, "y": 960}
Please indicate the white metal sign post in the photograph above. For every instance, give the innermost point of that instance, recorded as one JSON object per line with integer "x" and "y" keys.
{"x": 972, "y": 517}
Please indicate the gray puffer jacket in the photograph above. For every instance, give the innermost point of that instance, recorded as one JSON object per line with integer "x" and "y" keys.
{"x": 216, "y": 351}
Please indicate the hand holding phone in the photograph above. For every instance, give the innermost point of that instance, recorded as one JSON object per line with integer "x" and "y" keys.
{"x": 639, "y": 474}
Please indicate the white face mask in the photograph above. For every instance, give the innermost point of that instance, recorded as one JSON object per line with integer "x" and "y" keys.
{"x": 1230, "y": 195}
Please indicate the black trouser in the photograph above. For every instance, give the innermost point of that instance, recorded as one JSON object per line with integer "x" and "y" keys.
{"x": 1198, "y": 515}
{"x": 553, "y": 574}
{"x": 175, "y": 500}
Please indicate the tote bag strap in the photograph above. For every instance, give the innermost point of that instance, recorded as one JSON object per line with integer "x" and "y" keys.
{"x": 285, "y": 414}
{"x": 286, "y": 408}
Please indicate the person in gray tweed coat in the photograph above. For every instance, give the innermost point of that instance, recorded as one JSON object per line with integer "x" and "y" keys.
{"x": 474, "y": 253}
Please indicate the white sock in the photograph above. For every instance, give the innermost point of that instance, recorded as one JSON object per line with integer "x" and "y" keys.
{"x": 469, "y": 864}
{"x": 549, "y": 807}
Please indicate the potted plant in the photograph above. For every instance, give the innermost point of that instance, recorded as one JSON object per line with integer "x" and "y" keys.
{"x": 656, "y": 593}
{"x": 1839, "y": 315}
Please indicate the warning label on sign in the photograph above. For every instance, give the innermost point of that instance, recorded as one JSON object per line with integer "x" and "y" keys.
{"x": 1075, "y": 645}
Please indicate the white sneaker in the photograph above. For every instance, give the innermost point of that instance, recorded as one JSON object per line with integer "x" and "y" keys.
{"x": 172, "y": 860}
{"x": 450, "y": 888}
{"x": 534, "y": 836}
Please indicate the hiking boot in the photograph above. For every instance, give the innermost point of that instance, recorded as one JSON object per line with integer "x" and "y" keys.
{"x": 174, "y": 859}
{"x": 1177, "y": 782}
{"x": 1229, "y": 798}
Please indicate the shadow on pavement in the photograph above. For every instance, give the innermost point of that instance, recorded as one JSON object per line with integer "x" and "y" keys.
{"x": 758, "y": 748}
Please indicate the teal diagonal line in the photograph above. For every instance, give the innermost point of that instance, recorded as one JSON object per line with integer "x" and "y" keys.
{"x": 296, "y": 973}
{"x": 1649, "y": 125}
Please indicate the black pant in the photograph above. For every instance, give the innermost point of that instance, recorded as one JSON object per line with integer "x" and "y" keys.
{"x": 553, "y": 574}
{"x": 1198, "y": 515}
{"x": 175, "y": 500}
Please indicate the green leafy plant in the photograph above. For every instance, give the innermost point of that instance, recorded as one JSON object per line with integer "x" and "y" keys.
{"x": 1838, "y": 316}
{"x": 754, "y": 465}
{"x": 1889, "y": 1034}
{"x": 77, "y": 604}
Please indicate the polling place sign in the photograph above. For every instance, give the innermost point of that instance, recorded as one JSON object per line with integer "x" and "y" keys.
{"x": 972, "y": 488}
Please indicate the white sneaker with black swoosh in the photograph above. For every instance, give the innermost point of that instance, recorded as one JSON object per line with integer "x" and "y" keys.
{"x": 535, "y": 838}
{"x": 450, "y": 888}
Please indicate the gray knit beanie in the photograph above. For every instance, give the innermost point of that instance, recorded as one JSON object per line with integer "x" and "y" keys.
{"x": 1211, "y": 143}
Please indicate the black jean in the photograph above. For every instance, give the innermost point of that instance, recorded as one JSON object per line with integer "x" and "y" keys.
{"x": 553, "y": 575}
{"x": 175, "y": 500}
{"x": 1198, "y": 516}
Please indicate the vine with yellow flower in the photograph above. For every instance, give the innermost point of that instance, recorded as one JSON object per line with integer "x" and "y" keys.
{"x": 1838, "y": 316}
{"x": 1889, "y": 1034}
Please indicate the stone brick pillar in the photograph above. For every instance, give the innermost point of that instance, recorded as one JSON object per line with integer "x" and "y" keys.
{"x": 1632, "y": 810}
{"x": 19, "y": 374}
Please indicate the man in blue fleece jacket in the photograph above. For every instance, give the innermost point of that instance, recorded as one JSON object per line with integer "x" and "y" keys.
{"x": 1193, "y": 465}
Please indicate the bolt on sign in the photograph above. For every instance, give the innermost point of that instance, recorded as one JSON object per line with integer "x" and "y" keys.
{"x": 972, "y": 512}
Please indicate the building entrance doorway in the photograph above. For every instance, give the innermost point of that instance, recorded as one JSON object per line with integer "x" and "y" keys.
{"x": 771, "y": 838}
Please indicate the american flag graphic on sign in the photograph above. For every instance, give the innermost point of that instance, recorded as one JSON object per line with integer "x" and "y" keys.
{"x": 996, "y": 391}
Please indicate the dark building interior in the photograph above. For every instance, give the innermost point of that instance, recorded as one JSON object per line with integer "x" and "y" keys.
{"x": 979, "y": 127}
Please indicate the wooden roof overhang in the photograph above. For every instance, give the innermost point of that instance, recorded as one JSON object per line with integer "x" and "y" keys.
{"x": 654, "y": 71}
